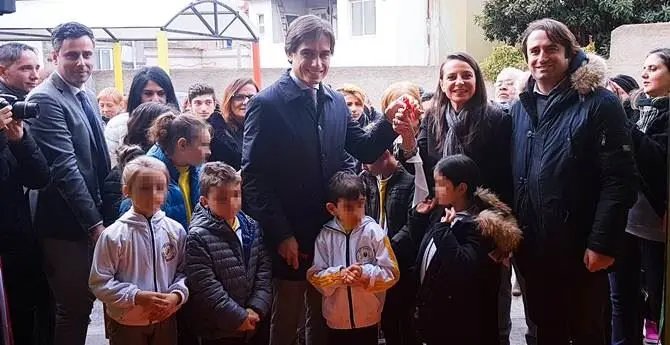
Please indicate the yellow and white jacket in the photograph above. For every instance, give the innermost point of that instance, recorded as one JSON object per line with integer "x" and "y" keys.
{"x": 353, "y": 306}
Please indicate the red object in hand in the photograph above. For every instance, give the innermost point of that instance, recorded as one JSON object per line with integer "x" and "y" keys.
{"x": 409, "y": 108}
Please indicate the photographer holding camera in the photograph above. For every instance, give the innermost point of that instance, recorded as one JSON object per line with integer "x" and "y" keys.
{"x": 21, "y": 165}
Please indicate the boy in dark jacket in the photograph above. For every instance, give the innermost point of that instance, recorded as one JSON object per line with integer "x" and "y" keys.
{"x": 389, "y": 193}
{"x": 228, "y": 271}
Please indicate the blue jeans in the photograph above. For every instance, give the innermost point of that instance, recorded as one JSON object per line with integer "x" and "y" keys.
{"x": 629, "y": 308}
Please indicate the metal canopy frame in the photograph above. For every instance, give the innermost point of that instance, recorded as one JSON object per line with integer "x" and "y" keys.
{"x": 198, "y": 21}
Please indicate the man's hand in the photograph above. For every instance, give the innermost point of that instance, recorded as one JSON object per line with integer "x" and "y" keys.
{"x": 250, "y": 322}
{"x": 595, "y": 261}
{"x": 288, "y": 250}
{"x": 15, "y": 131}
{"x": 96, "y": 232}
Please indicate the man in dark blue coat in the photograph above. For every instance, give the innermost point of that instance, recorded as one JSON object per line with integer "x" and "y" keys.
{"x": 574, "y": 178}
{"x": 297, "y": 135}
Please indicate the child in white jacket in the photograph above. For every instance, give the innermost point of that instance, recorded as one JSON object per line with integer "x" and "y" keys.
{"x": 136, "y": 268}
{"x": 353, "y": 266}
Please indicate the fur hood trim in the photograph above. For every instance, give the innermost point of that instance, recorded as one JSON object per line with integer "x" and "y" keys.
{"x": 589, "y": 72}
{"x": 498, "y": 223}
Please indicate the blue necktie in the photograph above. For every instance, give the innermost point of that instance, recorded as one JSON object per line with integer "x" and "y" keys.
{"x": 101, "y": 161}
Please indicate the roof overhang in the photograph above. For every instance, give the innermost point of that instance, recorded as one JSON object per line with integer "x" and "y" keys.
{"x": 129, "y": 20}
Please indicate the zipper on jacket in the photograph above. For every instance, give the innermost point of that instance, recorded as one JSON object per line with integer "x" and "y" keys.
{"x": 153, "y": 254}
{"x": 351, "y": 304}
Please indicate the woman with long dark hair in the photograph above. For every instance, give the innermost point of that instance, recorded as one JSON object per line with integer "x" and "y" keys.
{"x": 462, "y": 121}
{"x": 150, "y": 84}
{"x": 643, "y": 247}
{"x": 228, "y": 125}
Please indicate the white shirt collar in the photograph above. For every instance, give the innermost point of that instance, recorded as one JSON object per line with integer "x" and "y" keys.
{"x": 301, "y": 84}
{"x": 75, "y": 90}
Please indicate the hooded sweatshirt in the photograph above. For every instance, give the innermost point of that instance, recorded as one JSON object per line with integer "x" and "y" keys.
{"x": 138, "y": 254}
{"x": 350, "y": 307}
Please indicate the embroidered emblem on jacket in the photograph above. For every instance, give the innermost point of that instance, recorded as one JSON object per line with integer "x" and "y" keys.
{"x": 169, "y": 251}
{"x": 364, "y": 255}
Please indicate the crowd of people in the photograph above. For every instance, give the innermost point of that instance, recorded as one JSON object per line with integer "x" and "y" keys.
{"x": 301, "y": 213}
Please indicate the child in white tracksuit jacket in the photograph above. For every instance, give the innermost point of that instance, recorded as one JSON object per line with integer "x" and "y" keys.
{"x": 136, "y": 268}
{"x": 353, "y": 266}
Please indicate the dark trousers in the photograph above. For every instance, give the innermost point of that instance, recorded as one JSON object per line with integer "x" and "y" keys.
{"x": 567, "y": 303}
{"x": 162, "y": 333}
{"x": 397, "y": 316}
{"x": 357, "y": 336}
{"x": 67, "y": 265}
{"x": 639, "y": 265}
{"x": 505, "y": 306}
{"x": 29, "y": 296}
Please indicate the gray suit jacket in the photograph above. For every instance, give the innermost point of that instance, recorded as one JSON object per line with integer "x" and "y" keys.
{"x": 71, "y": 204}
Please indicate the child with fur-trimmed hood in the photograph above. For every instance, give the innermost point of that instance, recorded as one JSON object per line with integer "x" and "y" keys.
{"x": 469, "y": 233}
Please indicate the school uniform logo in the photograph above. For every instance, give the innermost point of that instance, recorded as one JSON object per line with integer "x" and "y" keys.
{"x": 365, "y": 255}
{"x": 168, "y": 251}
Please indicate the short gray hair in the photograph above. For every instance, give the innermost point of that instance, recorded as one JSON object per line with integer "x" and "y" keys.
{"x": 307, "y": 28}
{"x": 11, "y": 52}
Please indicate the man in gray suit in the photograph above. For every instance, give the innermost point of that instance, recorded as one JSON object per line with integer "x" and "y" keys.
{"x": 68, "y": 213}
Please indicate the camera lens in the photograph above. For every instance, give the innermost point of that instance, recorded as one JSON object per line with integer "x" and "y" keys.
{"x": 25, "y": 110}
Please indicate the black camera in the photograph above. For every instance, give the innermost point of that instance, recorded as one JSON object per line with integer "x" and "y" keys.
{"x": 20, "y": 110}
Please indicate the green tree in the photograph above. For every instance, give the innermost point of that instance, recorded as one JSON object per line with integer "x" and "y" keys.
{"x": 501, "y": 57}
{"x": 505, "y": 20}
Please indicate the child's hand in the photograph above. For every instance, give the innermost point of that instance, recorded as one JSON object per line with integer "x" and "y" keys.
{"x": 352, "y": 274}
{"x": 255, "y": 318}
{"x": 426, "y": 206}
{"x": 449, "y": 215}
{"x": 173, "y": 300}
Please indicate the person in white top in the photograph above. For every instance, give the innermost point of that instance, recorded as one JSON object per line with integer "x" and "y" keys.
{"x": 138, "y": 261}
{"x": 150, "y": 84}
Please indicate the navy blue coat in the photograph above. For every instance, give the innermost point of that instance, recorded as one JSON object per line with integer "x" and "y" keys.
{"x": 289, "y": 153}
{"x": 574, "y": 173}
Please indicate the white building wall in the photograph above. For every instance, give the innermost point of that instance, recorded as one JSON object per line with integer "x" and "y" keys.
{"x": 400, "y": 38}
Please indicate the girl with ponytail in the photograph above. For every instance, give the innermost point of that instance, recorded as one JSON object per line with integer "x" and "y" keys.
{"x": 182, "y": 143}
{"x": 470, "y": 233}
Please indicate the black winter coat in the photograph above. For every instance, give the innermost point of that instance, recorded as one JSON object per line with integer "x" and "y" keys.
{"x": 290, "y": 152}
{"x": 490, "y": 152}
{"x": 399, "y": 198}
{"x": 457, "y": 299}
{"x": 226, "y": 142}
{"x": 111, "y": 196}
{"x": 651, "y": 155}
{"x": 222, "y": 281}
{"x": 22, "y": 164}
{"x": 573, "y": 169}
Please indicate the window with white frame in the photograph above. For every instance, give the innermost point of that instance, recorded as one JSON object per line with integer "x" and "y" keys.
{"x": 261, "y": 24}
{"x": 103, "y": 59}
{"x": 363, "y": 17}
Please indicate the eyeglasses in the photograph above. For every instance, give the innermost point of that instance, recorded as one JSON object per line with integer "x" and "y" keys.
{"x": 240, "y": 97}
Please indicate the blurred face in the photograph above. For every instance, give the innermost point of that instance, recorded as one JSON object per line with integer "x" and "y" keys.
{"x": 147, "y": 191}
{"x": 310, "y": 62}
{"x": 153, "y": 93}
{"x": 203, "y": 106}
{"x": 547, "y": 60}
{"x": 505, "y": 89}
{"x": 74, "y": 60}
{"x": 109, "y": 108}
{"x": 446, "y": 193}
{"x": 655, "y": 77}
{"x": 377, "y": 167}
{"x": 225, "y": 201}
{"x": 23, "y": 73}
{"x": 197, "y": 151}
{"x": 239, "y": 101}
{"x": 354, "y": 104}
{"x": 458, "y": 82}
{"x": 350, "y": 213}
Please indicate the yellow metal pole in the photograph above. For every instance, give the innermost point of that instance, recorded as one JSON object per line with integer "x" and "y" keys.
{"x": 162, "y": 51}
{"x": 118, "y": 67}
